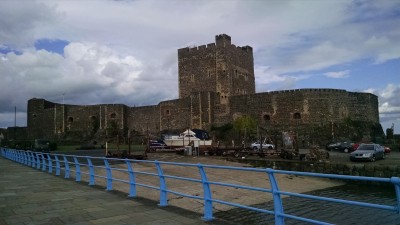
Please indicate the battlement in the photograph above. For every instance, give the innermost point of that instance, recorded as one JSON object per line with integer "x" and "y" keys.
{"x": 320, "y": 90}
{"x": 196, "y": 48}
{"x": 221, "y": 41}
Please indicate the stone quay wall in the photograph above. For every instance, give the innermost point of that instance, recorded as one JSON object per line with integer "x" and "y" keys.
{"x": 327, "y": 167}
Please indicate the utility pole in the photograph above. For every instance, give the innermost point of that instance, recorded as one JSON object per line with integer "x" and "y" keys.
{"x": 15, "y": 123}
{"x": 63, "y": 117}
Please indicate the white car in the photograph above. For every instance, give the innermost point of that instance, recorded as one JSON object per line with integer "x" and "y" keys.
{"x": 256, "y": 146}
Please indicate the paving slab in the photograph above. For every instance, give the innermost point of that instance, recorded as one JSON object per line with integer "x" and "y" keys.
{"x": 30, "y": 196}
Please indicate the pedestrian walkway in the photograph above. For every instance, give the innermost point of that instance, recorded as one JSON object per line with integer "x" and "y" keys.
{"x": 30, "y": 196}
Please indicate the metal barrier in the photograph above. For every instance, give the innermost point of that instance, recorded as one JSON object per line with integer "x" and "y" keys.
{"x": 48, "y": 162}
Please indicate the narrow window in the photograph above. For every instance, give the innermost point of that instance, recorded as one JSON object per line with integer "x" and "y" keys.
{"x": 70, "y": 119}
{"x": 266, "y": 117}
{"x": 297, "y": 115}
{"x": 113, "y": 115}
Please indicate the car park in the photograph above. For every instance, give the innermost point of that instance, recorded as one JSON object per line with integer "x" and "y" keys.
{"x": 368, "y": 152}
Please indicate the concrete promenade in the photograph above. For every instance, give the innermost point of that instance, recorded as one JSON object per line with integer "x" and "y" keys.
{"x": 30, "y": 196}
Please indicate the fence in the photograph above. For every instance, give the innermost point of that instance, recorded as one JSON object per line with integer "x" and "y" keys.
{"x": 72, "y": 165}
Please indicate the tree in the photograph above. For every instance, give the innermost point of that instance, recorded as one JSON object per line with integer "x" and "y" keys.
{"x": 246, "y": 126}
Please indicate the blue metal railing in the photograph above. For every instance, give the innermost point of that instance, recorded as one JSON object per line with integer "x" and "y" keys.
{"x": 59, "y": 162}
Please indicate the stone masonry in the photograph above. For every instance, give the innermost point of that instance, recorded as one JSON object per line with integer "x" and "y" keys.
{"x": 216, "y": 85}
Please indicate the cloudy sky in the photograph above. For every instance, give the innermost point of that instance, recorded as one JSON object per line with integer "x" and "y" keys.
{"x": 92, "y": 52}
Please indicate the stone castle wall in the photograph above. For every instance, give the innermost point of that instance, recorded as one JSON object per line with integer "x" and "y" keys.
{"x": 279, "y": 110}
{"x": 216, "y": 85}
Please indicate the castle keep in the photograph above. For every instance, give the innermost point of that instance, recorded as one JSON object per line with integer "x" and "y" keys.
{"x": 216, "y": 85}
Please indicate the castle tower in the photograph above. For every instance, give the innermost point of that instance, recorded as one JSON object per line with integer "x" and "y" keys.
{"x": 219, "y": 67}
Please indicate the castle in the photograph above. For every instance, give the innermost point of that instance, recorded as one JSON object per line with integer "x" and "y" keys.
{"x": 216, "y": 86}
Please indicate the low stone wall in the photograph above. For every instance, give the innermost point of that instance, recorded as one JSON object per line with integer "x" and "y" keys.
{"x": 368, "y": 170}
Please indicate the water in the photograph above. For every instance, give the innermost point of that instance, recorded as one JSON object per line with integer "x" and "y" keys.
{"x": 335, "y": 213}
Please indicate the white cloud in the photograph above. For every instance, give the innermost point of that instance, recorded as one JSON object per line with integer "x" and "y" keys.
{"x": 88, "y": 74}
{"x": 125, "y": 51}
{"x": 388, "y": 97}
{"x": 339, "y": 74}
{"x": 20, "y": 21}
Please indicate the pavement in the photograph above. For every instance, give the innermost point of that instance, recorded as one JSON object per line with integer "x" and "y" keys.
{"x": 30, "y": 196}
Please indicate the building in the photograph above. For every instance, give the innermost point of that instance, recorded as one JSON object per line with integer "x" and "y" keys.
{"x": 216, "y": 85}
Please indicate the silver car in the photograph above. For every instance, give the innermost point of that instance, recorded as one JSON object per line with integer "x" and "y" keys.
{"x": 368, "y": 152}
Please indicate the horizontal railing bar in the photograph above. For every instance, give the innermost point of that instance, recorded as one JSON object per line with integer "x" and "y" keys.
{"x": 148, "y": 186}
{"x": 242, "y": 206}
{"x": 305, "y": 219}
{"x": 240, "y": 186}
{"x": 182, "y": 178}
{"x": 366, "y": 204}
{"x": 334, "y": 176}
{"x": 185, "y": 195}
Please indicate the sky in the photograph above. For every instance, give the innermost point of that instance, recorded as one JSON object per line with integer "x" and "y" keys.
{"x": 125, "y": 51}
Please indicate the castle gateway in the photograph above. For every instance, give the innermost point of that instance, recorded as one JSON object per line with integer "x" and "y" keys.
{"x": 216, "y": 86}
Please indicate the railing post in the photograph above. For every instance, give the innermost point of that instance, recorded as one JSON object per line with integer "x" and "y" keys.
{"x": 66, "y": 165}
{"x": 50, "y": 163}
{"x": 17, "y": 156}
{"x": 21, "y": 156}
{"x": 33, "y": 158}
{"x": 163, "y": 185}
{"x": 396, "y": 183}
{"x": 208, "y": 213}
{"x": 58, "y": 167}
{"x": 132, "y": 180}
{"x": 109, "y": 175}
{"x": 29, "y": 158}
{"x": 43, "y": 162}
{"x": 91, "y": 171}
{"x": 278, "y": 207}
{"x": 77, "y": 169}
{"x": 38, "y": 163}
{"x": 25, "y": 158}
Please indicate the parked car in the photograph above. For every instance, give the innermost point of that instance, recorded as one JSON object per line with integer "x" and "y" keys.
{"x": 368, "y": 152}
{"x": 387, "y": 150}
{"x": 341, "y": 146}
{"x": 256, "y": 146}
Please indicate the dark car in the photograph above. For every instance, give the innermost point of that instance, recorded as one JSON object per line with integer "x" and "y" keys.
{"x": 368, "y": 152}
{"x": 155, "y": 145}
{"x": 341, "y": 146}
